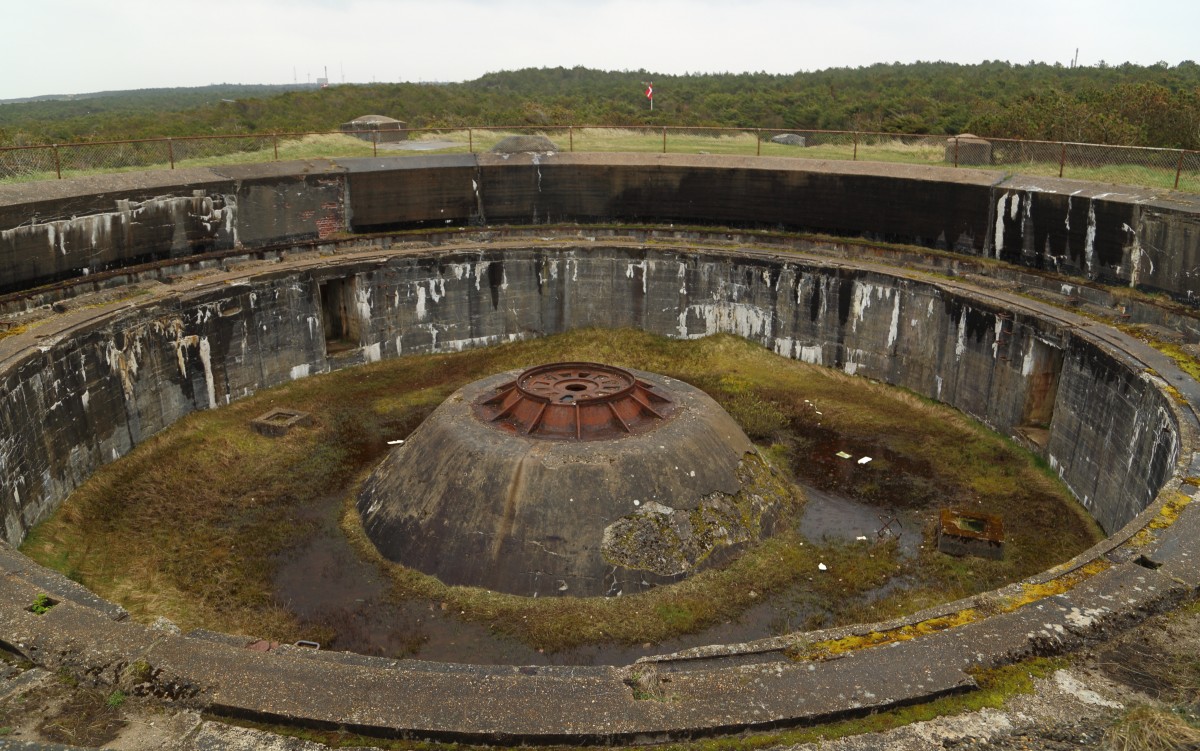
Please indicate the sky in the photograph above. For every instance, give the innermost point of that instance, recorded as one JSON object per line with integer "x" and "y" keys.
{"x": 79, "y": 46}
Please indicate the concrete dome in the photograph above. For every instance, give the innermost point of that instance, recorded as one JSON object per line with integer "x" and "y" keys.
{"x": 479, "y": 495}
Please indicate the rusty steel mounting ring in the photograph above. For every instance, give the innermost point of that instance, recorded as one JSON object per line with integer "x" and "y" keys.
{"x": 579, "y": 401}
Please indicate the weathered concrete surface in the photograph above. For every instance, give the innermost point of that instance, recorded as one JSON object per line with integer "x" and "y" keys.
{"x": 478, "y": 506}
{"x": 49, "y": 231}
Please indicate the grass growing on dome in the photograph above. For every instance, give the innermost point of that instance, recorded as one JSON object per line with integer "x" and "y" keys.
{"x": 192, "y": 524}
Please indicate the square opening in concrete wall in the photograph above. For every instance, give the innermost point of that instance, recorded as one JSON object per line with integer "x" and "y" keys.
{"x": 1042, "y": 366}
{"x": 338, "y": 315}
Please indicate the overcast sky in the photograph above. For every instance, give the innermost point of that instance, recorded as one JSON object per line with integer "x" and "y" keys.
{"x": 76, "y": 46}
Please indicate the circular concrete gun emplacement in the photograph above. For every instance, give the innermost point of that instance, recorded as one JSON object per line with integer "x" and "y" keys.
{"x": 201, "y": 287}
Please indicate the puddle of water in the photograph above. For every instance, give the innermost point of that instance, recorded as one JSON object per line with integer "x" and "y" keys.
{"x": 834, "y": 517}
{"x": 329, "y": 587}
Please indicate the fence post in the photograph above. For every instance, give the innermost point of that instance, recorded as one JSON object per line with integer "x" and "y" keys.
{"x": 571, "y": 136}
{"x": 664, "y": 139}
{"x": 1178, "y": 169}
{"x": 470, "y": 141}
{"x": 171, "y": 152}
{"x": 1062, "y": 159}
{"x": 57, "y": 163}
{"x": 374, "y": 143}
{"x": 956, "y": 151}
{"x": 758, "y": 142}
{"x": 855, "y": 146}
{"x": 275, "y": 144}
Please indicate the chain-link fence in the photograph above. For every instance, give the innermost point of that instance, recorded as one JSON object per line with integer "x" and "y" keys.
{"x": 1169, "y": 169}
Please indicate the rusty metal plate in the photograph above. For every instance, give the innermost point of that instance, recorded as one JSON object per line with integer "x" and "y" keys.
{"x": 575, "y": 401}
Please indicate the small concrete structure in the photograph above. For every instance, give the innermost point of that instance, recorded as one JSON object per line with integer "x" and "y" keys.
{"x": 964, "y": 533}
{"x": 279, "y": 421}
{"x": 377, "y": 128}
{"x": 790, "y": 139}
{"x": 968, "y": 149}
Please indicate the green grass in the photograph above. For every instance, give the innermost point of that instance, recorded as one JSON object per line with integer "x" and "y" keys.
{"x": 192, "y": 523}
{"x": 836, "y": 147}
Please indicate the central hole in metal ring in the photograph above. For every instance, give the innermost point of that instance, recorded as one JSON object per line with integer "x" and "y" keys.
{"x": 575, "y": 387}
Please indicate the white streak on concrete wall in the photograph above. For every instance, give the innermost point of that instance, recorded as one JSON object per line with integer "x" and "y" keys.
{"x": 999, "y": 231}
{"x": 999, "y": 329}
{"x": 631, "y": 267}
{"x": 362, "y": 301}
{"x": 814, "y": 355}
{"x": 422, "y": 314}
{"x": 1136, "y": 255}
{"x": 960, "y": 345}
{"x": 1029, "y": 361}
{"x": 209, "y": 384}
{"x": 299, "y": 371}
{"x": 859, "y": 302}
{"x": 894, "y": 329}
{"x": 372, "y": 353}
{"x": 1089, "y": 248}
{"x": 181, "y": 345}
{"x": 480, "y": 269}
{"x": 744, "y": 320}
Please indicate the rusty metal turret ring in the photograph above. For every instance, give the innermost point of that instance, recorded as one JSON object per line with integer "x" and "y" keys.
{"x": 579, "y": 401}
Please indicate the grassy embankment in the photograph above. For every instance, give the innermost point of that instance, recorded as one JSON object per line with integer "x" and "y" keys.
{"x": 839, "y": 147}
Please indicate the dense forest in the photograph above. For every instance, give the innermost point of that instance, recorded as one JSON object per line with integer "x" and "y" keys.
{"x": 1157, "y": 105}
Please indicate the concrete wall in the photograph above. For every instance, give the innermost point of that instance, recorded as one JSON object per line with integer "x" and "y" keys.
{"x": 94, "y": 392}
{"x": 1125, "y": 236}
{"x": 52, "y": 231}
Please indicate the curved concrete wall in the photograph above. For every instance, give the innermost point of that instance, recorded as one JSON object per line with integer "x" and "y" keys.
{"x": 84, "y": 386}
{"x": 1118, "y": 235}
{"x": 88, "y": 395}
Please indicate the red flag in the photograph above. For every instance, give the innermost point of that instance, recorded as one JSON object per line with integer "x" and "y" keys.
{"x": 649, "y": 91}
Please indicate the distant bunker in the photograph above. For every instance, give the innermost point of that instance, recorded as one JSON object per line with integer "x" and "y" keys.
{"x": 221, "y": 282}
{"x": 569, "y": 478}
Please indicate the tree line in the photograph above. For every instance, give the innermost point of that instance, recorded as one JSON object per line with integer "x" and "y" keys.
{"x": 1134, "y": 105}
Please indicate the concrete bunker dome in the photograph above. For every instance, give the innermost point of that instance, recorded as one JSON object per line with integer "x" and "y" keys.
{"x": 574, "y": 479}
{"x": 105, "y": 379}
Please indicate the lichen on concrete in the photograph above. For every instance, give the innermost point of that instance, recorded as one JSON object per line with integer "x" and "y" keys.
{"x": 672, "y": 542}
